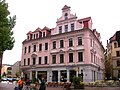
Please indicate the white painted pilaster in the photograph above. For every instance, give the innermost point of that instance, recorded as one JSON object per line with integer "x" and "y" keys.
{"x": 68, "y": 76}
{"x": 58, "y": 75}
{"x": 36, "y": 74}
{"x": 31, "y": 75}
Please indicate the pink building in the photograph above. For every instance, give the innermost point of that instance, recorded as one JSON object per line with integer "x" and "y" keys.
{"x": 71, "y": 48}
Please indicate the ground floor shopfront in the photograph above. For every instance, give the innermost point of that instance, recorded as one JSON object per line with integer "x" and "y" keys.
{"x": 88, "y": 73}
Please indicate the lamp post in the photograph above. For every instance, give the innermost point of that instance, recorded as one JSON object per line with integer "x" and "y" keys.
{"x": 78, "y": 71}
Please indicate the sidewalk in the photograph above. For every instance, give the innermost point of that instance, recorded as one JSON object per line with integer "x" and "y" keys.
{"x": 86, "y": 88}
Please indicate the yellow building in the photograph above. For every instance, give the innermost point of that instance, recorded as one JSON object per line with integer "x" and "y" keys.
{"x": 4, "y": 69}
{"x": 112, "y": 63}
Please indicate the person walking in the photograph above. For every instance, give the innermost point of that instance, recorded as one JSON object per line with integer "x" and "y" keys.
{"x": 20, "y": 84}
{"x": 42, "y": 85}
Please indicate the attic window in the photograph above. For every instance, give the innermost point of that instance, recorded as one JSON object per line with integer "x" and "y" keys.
{"x": 36, "y": 35}
{"x": 43, "y": 34}
{"x": 28, "y": 37}
{"x": 66, "y": 16}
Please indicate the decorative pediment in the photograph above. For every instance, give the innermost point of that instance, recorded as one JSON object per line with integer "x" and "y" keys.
{"x": 61, "y": 51}
{"x": 34, "y": 55}
{"x": 70, "y": 50}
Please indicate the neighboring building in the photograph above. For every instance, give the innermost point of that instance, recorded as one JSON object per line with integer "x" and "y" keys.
{"x": 16, "y": 71}
{"x": 71, "y": 48}
{"x": 113, "y": 57}
{"x": 9, "y": 72}
{"x": 4, "y": 69}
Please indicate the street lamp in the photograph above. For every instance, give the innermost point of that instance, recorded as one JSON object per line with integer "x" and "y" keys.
{"x": 78, "y": 71}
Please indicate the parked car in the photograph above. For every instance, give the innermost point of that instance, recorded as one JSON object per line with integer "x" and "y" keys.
{"x": 10, "y": 79}
{"x": 4, "y": 79}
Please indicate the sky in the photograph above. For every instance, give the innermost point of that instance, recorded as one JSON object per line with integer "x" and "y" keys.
{"x": 32, "y": 14}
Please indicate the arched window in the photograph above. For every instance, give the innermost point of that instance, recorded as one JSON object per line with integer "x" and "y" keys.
{"x": 66, "y": 16}
{"x": 115, "y": 45}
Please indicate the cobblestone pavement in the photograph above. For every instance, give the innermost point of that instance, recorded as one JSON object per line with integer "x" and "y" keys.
{"x": 10, "y": 86}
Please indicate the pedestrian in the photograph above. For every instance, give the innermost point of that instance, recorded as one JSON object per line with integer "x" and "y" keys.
{"x": 42, "y": 85}
{"x": 20, "y": 84}
{"x": 16, "y": 86}
{"x": 119, "y": 81}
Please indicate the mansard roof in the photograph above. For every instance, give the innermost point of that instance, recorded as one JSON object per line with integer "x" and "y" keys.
{"x": 84, "y": 19}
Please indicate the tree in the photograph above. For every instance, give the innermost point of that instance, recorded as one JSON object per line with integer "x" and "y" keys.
{"x": 6, "y": 34}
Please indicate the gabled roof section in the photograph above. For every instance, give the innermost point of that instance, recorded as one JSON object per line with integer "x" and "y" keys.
{"x": 29, "y": 32}
{"x": 84, "y": 19}
{"x": 65, "y": 7}
{"x": 46, "y": 28}
{"x": 37, "y": 30}
{"x": 113, "y": 38}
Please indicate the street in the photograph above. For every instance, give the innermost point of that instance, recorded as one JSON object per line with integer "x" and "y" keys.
{"x": 10, "y": 86}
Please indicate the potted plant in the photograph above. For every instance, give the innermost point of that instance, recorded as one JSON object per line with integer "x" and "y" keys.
{"x": 77, "y": 82}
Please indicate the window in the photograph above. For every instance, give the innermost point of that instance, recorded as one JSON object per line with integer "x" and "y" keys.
{"x": 91, "y": 42}
{"x": 79, "y": 40}
{"x": 28, "y": 37}
{"x": 118, "y": 73}
{"x": 61, "y": 43}
{"x": 34, "y": 48}
{"x": 118, "y": 62}
{"x": 92, "y": 57}
{"x": 46, "y": 46}
{"x": 39, "y": 60}
{"x": 66, "y": 16}
{"x": 61, "y": 58}
{"x": 24, "y": 62}
{"x": 25, "y": 50}
{"x": 53, "y": 59}
{"x": 34, "y": 61}
{"x": 40, "y": 47}
{"x": 70, "y": 57}
{"x": 54, "y": 44}
{"x": 36, "y": 35}
{"x": 117, "y": 53}
{"x": 45, "y": 58}
{"x": 72, "y": 27}
{"x": 66, "y": 28}
{"x": 115, "y": 45}
{"x": 29, "y": 49}
{"x": 28, "y": 61}
{"x": 70, "y": 42}
{"x": 80, "y": 56}
{"x": 43, "y": 34}
{"x": 60, "y": 29}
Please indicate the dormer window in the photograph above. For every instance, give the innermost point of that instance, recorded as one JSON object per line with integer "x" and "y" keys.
{"x": 66, "y": 16}
{"x": 43, "y": 34}
{"x": 36, "y": 35}
{"x": 28, "y": 37}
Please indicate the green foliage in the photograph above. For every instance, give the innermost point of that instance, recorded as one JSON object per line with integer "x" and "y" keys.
{"x": 76, "y": 80}
{"x": 34, "y": 80}
{"x": 17, "y": 74}
{"x": 6, "y": 34}
{"x": 6, "y": 24}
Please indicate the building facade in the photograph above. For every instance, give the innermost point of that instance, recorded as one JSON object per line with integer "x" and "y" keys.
{"x": 113, "y": 57}
{"x": 4, "y": 70}
{"x": 16, "y": 71}
{"x": 71, "y": 48}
